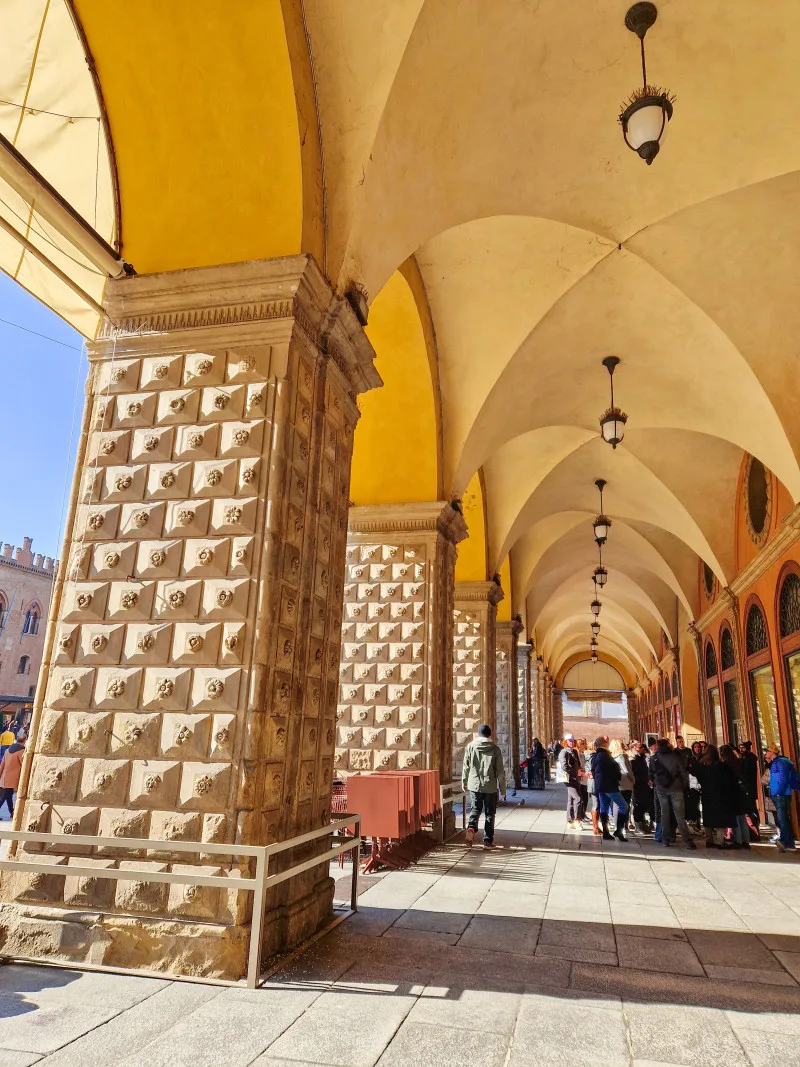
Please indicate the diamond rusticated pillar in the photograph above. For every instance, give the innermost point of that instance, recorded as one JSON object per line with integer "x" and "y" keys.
{"x": 507, "y": 734}
{"x": 474, "y": 663}
{"x": 189, "y": 687}
{"x": 396, "y": 676}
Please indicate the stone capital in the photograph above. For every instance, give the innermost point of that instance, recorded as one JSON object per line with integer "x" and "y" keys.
{"x": 478, "y": 592}
{"x": 428, "y": 517}
{"x": 258, "y": 302}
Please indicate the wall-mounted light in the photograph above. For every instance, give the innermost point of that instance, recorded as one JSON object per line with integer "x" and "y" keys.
{"x": 648, "y": 110}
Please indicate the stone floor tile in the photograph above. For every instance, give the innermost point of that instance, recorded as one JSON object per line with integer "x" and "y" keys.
{"x": 9, "y": 1058}
{"x": 630, "y": 870}
{"x": 420, "y": 934}
{"x": 467, "y": 1008}
{"x": 668, "y": 957}
{"x": 138, "y": 1026}
{"x": 344, "y": 1029}
{"x": 726, "y": 948}
{"x": 694, "y": 888}
{"x": 644, "y": 894}
{"x": 229, "y": 1031}
{"x": 577, "y": 954}
{"x": 539, "y": 1036}
{"x": 522, "y": 907}
{"x": 440, "y": 922}
{"x": 699, "y": 1037}
{"x": 749, "y": 974}
{"x": 659, "y": 924}
{"x": 791, "y": 961}
{"x": 502, "y": 934}
{"x": 766, "y": 1022}
{"x": 770, "y": 1049}
{"x": 578, "y": 935}
{"x": 439, "y": 1046}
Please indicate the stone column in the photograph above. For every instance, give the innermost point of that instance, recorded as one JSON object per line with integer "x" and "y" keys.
{"x": 523, "y": 699}
{"x": 558, "y": 712}
{"x": 396, "y": 673}
{"x": 474, "y": 620}
{"x": 702, "y": 690}
{"x": 633, "y": 724}
{"x": 189, "y": 687}
{"x": 507, "y": 733}
{"x": 548, "y": 706}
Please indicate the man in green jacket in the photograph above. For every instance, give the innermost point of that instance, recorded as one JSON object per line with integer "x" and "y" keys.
{"x": 484, "y": 777}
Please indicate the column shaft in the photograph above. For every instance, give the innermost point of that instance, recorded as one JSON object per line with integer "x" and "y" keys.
{"x": 474, "y": 696}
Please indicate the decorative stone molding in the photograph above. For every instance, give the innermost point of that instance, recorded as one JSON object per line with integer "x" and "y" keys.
{"x": 474, "y": 619}
{"x": 217, "y": 601}
{"x": 396, "y": 668}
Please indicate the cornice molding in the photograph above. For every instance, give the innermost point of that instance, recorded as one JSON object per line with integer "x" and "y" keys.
{"x": 261, "y": 301}
{"x": 478, "y": 592}
{"x": 428, "y": 517}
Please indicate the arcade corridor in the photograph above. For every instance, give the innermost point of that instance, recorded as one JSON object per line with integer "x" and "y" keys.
{"x": 553, "y": 949}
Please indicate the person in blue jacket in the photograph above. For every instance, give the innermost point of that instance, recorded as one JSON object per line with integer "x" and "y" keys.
{"x": 783, "y": 780}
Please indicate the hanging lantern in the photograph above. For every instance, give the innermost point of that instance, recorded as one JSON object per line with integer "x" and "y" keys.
{"x": 594, "y": 657}
{"x": 602, "y": 523}
{"x": 612, "y": 421}
{"x": 600, "y": 576}
{"x": 595, "y": 628}
{"x": 595, "y": 606}
{"x": 648, "y": 110}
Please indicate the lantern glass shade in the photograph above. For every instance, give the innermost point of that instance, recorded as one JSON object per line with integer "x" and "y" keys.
{"x": 612, "y": 426}
{"x": 601, "y": 576}
{"x": 595, "y": 628}
{"x": 595, "y": 606}
{"x": 593, "y": 644}
{"x": 594, "y": 657}
{"x": 601, "y": 526}
{"x": 644, "y": 125}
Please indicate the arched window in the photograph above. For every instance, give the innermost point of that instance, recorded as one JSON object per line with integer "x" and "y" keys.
{"x": 24, "y": 662}
{"x": 789, "y": 605}
{"x": 756, "y": 629}
{"x": 726, "y": 653}
{"x": 32, "y": 620}
{"x": 711, "y": 660}
{"x": 3, "y": 611}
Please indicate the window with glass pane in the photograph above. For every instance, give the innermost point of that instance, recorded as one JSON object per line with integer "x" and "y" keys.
{"x": 762, "y": 685}
{"x": 736, "y": 730}
{"x": 716, "y": 715}
{"x": 793, "y": 678}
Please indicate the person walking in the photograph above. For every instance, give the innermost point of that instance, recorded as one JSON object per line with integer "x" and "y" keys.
{"x": 484, "y": 777}
{"x": 670, "y": 781}
{"x": 607, "y": 775}
{"x": 643, "y": 813}
{"x": 783, "y": 780}
{"x": 582, "y": 749}
{"x": 719, "y": 787}
{"x": 10, "y": 772}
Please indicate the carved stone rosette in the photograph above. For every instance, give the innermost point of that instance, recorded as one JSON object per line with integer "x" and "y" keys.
{"x": 395, "y": 676}
{"x": 473, "y": 662}
{"x": 189, "y": 688}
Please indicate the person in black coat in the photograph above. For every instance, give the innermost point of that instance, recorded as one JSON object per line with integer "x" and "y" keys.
{"x": 643, "y": 811}
{"x": 536, "y": 762}
{"x": 751, "y": 779}
{"x": 721, "y": 795}
{"x": 606, "y": 773}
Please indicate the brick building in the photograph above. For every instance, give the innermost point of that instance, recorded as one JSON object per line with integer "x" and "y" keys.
{"x": 26, "y": 581}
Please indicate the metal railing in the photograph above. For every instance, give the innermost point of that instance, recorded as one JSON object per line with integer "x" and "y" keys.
{"x": 258, "y": 885}
{"x": 448, "y": 795}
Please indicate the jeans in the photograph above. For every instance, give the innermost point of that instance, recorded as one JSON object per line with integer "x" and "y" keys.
{"x": 574, "y": 803}
{"x": 673, "y": 804}
{"x": 609, "y": 800}
{"x": 784, "y": 819}
{"x": 7, "y": 797}
{"x": 486, "y": 803}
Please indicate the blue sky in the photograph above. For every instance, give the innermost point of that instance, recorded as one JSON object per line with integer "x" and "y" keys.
{"x": 38, "y": 402}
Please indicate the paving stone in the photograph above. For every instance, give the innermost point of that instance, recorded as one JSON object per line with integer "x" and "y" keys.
{"x": 722, "y": 948}
{"x": 539, "y": 1036}
{"x": 578, "y": 935}
{"x": 438, "y": 1046}
{"x": 791, "y": 961}
{"x": 501, "y": 934}
{"x": 696, "y": 1036}
{"x": 138, "y": 1026}
{"x": 8, "y": 1058}
{"x": 769, "y": 1049}
{"x": 670, "y": 957}
{"x": 433, "y": 922}
{"x": 464, "y": 1007}
{"x": 577, "y": 954}
{"x": 749, "y": 974}
{"x": 344, "y": 1029}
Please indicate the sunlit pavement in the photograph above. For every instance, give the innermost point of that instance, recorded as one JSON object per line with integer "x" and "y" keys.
{"x": 553, "y": 949}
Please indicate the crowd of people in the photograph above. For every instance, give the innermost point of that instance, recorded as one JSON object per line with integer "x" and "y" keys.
{"x": 665, "y": 790}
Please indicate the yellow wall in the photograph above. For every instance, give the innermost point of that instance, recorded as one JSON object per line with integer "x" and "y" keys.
{"x": 395, "y": 449}
{"x": 504, "y": 607}
{"x": 471, "y": 560}
{"x": 202, "y": 113}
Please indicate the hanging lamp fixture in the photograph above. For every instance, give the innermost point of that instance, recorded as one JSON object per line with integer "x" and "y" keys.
{"x": 613, "y": 419}
{"x": 602, "y": 523}
{"x": 594, "y": 657}
{"x": 595, "y": 606}
{"x": 648, "y": 110}
{"x": 595, "y": 627}
{"x": 600, "y": 574}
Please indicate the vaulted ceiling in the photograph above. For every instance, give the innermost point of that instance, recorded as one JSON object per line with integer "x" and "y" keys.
{"x": 480, "y": 142}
